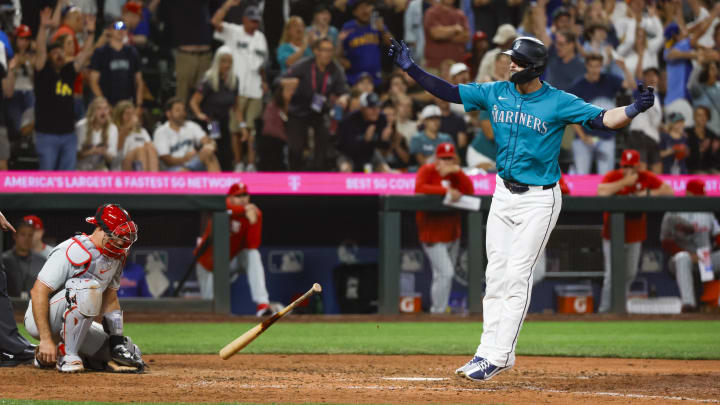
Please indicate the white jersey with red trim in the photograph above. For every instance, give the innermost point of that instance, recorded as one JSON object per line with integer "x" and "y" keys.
{"x": 78, "y": 257}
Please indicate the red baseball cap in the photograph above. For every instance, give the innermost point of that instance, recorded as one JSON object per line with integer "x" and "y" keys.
{"x": 445, "y": 150}
{"x": 34, "y": 220}
{"x": 238, "y": 189}
{"x": 695, "y": 186}
{"x": 479, "y": 34}
{"x": 133, "y": 7}
{"x": 23, "y": 31}
{"x": 630, "y": 157}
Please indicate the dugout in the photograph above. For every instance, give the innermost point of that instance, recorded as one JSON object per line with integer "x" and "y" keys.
{"x": 312, "y": 230}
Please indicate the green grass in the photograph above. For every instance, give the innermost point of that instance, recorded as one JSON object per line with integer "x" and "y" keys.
{"x": 635, "y": 339}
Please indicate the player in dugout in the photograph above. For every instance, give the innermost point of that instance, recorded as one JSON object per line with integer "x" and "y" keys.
{"x": 245, "y": 236}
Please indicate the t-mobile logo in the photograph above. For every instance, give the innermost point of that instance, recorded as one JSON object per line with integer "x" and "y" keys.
{"x": 294, "y": 182}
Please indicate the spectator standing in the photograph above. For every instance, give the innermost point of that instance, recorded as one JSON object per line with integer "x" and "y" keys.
{"x": 396, "y": 156}
{"x": 489, "y": 15}
{"x": 640, "y": 28}
{"x": 705, "y": 90}
{"x": 294, "y": 44}
{"x": 360, "y": 40}
{"x": 320, "y": 27}
{"x": 97, "y": 137}
{"x": 176, "y": 142}
{"x": 14, "y": 348}
{"x": 274, "y": 133}
{"x": 71, "y": 25}
{"x": 320, "y": 84}
{"x": 674, "y": 145}
{"x": 704, "y": 145}
{"x": 55, "y": 138}
{"x": 600, "y": 89}
{"x": 136, "y": 151}
{"x": 439, "y": 232}
{"x": 480, "y": 46}
{"x": 415, "y": 28}
{"x": 678, "y": 55}
{"x": 424, "y": 143}
{"x": 563, "y": 60}
{"x": 22, "y": 265}
{"x": 453, "y": 124}
{"x": 500, "y": 70}
{"x": 628, "y": 180}
{"x": 503, "y": 39}
{"x": 482, "y": 151}
{"x": 21, "y": 106}
{"x": 446, "y": 33}
{"x": 688, "y": 238}
{"x": 191, "y": 34}
{"x": 215, "y": 100}
{"x": 645, "y": 128}
{"x": 361, "y": 133}
{"x": 250, "y": 50}
{"x": 406, "y": 124}
{"x": 115, "y": 69}
{"x": 38, "y": 244}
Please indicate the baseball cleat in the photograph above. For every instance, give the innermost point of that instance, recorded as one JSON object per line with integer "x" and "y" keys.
{"x": 70, "y": 364}
{"x": 461, "y": 371}
{"x": 481, "y": 369}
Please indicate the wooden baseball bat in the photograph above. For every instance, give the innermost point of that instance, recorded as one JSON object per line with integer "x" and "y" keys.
{"x": 247, "y": 337}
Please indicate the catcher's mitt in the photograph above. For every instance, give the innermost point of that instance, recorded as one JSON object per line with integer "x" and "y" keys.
{"x": 126, "y": 358}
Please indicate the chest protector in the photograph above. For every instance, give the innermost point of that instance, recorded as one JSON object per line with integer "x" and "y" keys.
{"x": 83, "y": 255}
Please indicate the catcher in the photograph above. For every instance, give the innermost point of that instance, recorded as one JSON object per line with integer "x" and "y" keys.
{"x": 78, "y": 282}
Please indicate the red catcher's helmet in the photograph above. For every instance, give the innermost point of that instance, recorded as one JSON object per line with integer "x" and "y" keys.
{"x": 120, "y": 230}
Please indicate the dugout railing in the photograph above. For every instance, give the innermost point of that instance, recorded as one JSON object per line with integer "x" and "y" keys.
{"x": 159, "y": 202}
{"x": 391, "y": 208}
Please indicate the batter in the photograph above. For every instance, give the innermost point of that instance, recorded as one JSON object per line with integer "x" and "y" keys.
{"x": 528, "y": 119}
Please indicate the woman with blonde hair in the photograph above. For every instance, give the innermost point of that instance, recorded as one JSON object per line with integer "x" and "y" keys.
{"x": 213, "y": 101}
{"x": 136, "y": 151}
{"x": 97, "y": 137}
{"x": 294, "y": 44}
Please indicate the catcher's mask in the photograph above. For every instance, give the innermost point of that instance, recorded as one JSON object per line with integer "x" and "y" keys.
{"x": 120, "y": 231}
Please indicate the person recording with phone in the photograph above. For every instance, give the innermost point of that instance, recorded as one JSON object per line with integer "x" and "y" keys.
{"x": 212, "y": 103}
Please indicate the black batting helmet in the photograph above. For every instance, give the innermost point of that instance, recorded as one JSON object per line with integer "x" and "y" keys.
{"x": 530, "y": 53}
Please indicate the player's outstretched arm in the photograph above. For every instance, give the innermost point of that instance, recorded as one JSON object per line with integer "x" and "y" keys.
{"x": 621, "y": 116}
{"x": 436, "y": 86}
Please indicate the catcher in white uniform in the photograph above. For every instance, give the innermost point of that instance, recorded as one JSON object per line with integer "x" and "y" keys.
{"x": 687, "y": 237}
{"x": 78, "y": 282}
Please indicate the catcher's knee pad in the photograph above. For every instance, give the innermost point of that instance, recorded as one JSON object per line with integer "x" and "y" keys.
{"x": 86, "y": 294}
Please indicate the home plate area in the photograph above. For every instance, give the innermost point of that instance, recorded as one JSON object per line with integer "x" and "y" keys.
{"x": 375, "y": 379}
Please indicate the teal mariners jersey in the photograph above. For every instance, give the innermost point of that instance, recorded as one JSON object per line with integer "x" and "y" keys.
{"x": 528, "y": 127}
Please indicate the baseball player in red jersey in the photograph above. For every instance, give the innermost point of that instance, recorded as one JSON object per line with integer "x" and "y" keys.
{"x": 39, "y": 246}
{"x": 628, "y": 180}
{"x": 245, "y": 236}
{"x": 78, "y": 282}
{"x": 439, "y": 232}
{"x": 687, "y": 238}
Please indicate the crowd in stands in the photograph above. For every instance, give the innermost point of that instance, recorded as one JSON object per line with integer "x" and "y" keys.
{"x": 305, "y": 85}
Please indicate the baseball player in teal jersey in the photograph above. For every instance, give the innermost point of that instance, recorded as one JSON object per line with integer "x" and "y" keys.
{"x": 528, "y": 118}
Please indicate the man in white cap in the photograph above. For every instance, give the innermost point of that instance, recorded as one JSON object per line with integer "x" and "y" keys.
{"x": 503, "y": 39}
{"x": 423, "y": 144}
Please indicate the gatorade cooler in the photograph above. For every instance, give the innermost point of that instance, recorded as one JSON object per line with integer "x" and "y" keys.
{"x": 411, "y": 304}
{"x": 574, "y": 299}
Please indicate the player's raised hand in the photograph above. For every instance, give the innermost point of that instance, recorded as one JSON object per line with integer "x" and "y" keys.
{"x": 644, "y": 99}
{"x": 401, "y": 54}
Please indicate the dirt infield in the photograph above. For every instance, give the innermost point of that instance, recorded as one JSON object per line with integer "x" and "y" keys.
{"x": 375, "y": 380}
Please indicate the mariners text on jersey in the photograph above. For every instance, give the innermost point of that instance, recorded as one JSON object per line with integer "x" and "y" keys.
{"x": 528, "y": 128}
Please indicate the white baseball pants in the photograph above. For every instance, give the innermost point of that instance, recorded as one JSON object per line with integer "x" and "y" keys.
{"x": 518, "y": 228}
{"x": 443, "y": 256}
{"x": 682, "y": 267}
{"x": 250, "y": 260}
{"x": 632, "y": 261}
